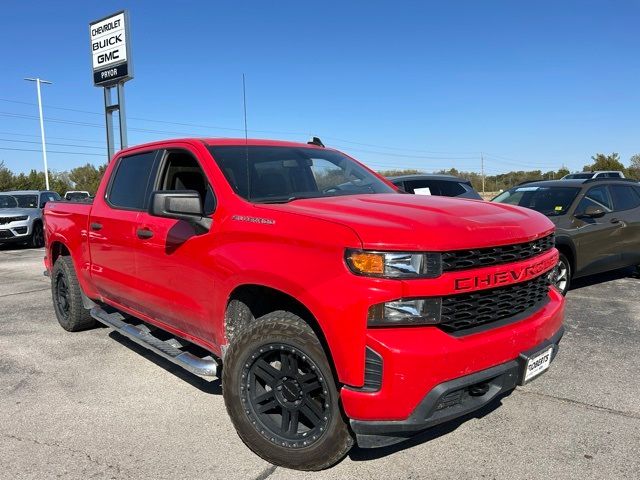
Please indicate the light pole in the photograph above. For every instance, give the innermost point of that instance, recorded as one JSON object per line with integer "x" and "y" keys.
{"x": 44, "y": 145}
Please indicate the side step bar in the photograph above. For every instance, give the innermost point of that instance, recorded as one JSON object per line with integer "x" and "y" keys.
{"x": 206, "y": 367}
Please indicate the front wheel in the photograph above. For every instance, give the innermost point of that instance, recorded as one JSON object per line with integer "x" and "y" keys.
{"x": 281, "y": 396}
{"x": 561, "y": 276}
{"x": 37, "y": 236}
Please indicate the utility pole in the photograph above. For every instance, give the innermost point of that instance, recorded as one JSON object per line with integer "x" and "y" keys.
{"x": 482, "y": 169}
{"x": 44, "y": 145}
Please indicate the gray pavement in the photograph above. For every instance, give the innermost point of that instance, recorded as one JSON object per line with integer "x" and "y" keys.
{"x": 94, "y": 405}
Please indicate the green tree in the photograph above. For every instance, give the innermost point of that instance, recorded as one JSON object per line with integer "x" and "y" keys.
{"x": 6, "y": 178}
{"x": 87, "y": 177}
{"x": 605, "y": 162}
{"x": 562, "y": 172}
{"x": 634, "y": 166}
{"x": 59, "y": 182}
{"x": 397, "y": 173}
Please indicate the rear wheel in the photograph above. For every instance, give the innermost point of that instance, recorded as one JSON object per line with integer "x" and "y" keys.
{"x": 281, "y": 396}
{"x": 561, "y": 277}
{"x": 37, "y": 236}
{"x": 67, "y": 297}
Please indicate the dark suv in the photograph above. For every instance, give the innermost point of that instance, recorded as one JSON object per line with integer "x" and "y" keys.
{"x": 434, "y": 184}
{"x": 597, "y": 221}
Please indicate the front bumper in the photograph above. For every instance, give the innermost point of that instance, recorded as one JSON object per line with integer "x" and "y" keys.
{"x": 417, "y": 361}
{"x": 15, "y": 231}
{"x": 452, "y": 399}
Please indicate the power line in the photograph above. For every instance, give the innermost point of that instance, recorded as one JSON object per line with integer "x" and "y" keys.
{"x": 49, "y": 143}
{"x": 55, "y": 138}
{"x": 217, "y": 127}
{"x": 51, "y": 151}
{"x": 428, "y": 155}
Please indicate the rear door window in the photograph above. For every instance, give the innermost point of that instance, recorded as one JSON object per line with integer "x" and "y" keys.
{"x": 131, "y": 181}
{"x": 451, "y": 189}
{"x": 624, "y": 197}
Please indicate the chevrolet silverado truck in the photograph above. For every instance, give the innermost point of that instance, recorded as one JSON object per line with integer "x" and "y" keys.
{"x": 333, "y": 308}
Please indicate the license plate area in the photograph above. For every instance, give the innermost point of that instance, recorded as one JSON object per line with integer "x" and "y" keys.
{"x": 535, "y": 364}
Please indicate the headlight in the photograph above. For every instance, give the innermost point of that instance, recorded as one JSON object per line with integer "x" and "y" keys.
{"x": 418, "y": 311}
{"x": 19, "y": 219}
{"x": 394, "y": 264}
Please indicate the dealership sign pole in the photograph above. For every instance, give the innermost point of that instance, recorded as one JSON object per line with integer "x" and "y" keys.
{"x": 111, "y": 67}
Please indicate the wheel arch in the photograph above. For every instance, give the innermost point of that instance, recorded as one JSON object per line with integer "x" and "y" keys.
{"x": 263, "y": 299}
{"x": 566, "y": 247}
{"x": 57, "y": 249}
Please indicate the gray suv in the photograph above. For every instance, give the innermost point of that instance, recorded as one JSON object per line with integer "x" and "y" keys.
{"x": 435, "y": 184}
{"x": 597, "y": 222}
{"x": 21, "y": 216}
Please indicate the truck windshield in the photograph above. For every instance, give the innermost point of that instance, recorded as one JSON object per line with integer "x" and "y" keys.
{"x": 18, "y": 201}
{"x": 271, "y": 174}
{"x": 551, "y": 201}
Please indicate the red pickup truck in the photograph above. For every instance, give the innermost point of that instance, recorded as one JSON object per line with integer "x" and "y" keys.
{"x": 340, "y": 308}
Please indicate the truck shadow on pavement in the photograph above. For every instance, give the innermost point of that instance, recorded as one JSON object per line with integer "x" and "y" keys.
{"x": 358, "y": 454}
{"x": 212, "y": 387}
{"x": 579, "y": 283}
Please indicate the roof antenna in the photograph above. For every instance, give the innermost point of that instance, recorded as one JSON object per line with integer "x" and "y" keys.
{"x": 244, "y": 101}
{"x": 246, "y": 136}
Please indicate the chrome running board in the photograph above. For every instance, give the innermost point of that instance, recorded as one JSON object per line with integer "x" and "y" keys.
{"x": 170, "y": 349}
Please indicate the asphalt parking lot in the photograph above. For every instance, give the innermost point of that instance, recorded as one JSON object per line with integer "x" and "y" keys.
{"x": 94, "y": 405}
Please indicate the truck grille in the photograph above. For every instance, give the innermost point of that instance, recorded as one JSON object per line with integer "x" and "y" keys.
{"x": 460, "y": 312}
{"x": 7, "y": 220}
{"x": 483, "y": 257}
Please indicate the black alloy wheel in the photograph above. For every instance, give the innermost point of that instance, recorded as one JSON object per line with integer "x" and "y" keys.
{"x": 67, "y": 297}
{"x": 281, "y": 393}
{"x": 62, "y": 297}
{"x": 286, "y": 395}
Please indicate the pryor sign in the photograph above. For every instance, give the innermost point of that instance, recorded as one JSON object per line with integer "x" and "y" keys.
{"x": 110, "y": 50}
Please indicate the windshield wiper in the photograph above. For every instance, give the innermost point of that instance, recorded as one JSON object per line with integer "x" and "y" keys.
{"x": 281, "y": 199}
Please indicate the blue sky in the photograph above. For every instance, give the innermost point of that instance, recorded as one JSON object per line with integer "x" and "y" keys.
{"x": 424, "y": 85}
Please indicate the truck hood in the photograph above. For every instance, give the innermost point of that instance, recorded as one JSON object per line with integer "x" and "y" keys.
{"x": 416, "y": 222}
{"x": 17, "y": 212}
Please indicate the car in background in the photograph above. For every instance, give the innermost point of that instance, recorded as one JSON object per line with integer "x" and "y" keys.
{"x": 76, "y": 195}
{"x": 597, "y": 174}
{"x": 597, "y": 222}
{"x": 21, "y": 216}
{"x": 434, "y": 184}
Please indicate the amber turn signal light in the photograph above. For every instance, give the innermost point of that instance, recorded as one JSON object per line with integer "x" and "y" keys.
{"x": 367, "y": 263}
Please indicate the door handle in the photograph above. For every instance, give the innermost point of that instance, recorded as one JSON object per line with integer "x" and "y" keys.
{"x": 96, "y": 226}
{"x": 615, "y": 220}
{"x": 144, "y": 233}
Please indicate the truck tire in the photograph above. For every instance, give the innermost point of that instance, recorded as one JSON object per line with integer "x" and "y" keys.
{"x": 281, "y": 395}
{"x": 37, "y": 236}
{"x": 67, "y": 297}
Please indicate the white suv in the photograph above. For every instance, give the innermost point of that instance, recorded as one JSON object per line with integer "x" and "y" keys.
{"x": 597, "y": 174}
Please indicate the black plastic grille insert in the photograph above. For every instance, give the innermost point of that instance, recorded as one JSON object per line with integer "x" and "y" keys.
{"x": 470, "y": 310}
{"x": 483, "y": 257}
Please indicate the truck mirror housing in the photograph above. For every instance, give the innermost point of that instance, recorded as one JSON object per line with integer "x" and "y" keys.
{"x": 185, "y": 205}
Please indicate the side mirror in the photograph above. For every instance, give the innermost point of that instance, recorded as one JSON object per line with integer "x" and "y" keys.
{"x": 592, "y": 212}
{"x": 183, "y": 205}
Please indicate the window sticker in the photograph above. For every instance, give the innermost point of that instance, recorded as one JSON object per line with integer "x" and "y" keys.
{"x": 422, "y": 191}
